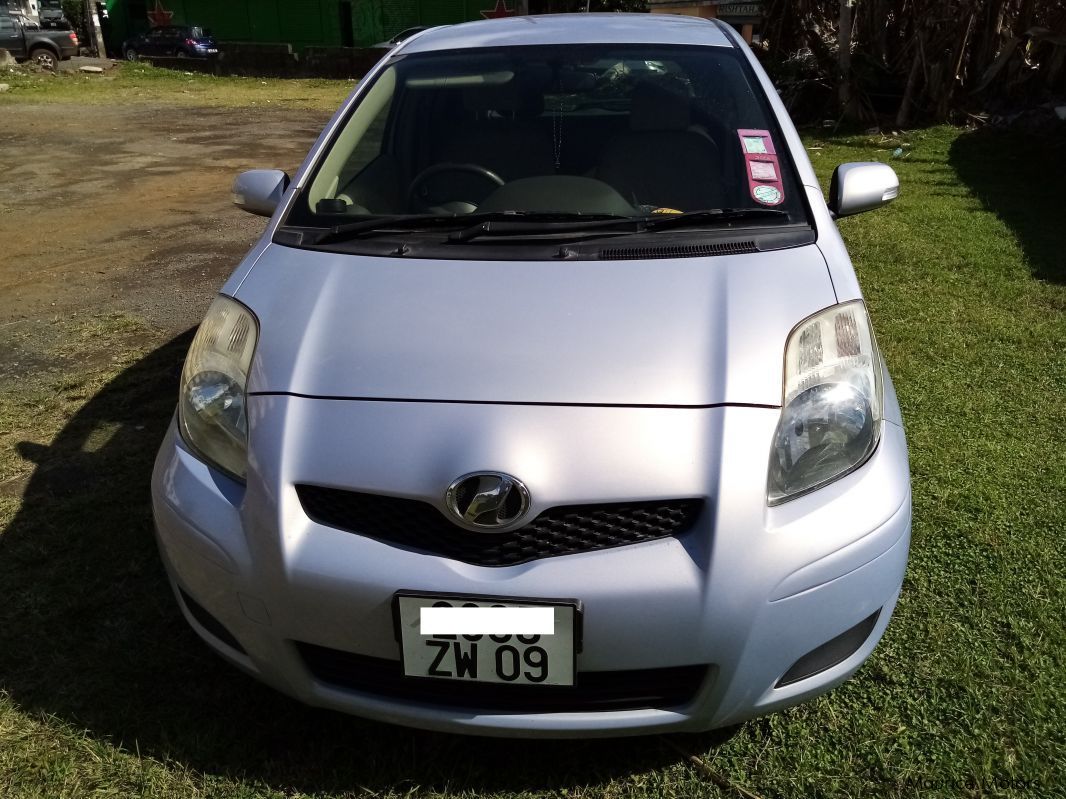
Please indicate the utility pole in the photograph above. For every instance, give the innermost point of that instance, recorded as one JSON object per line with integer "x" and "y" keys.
{"x": 96, "y": 33}
{"x": 844, "y": 28}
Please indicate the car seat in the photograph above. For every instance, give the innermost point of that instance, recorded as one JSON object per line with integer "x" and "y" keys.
{"x": 663, "y": 160}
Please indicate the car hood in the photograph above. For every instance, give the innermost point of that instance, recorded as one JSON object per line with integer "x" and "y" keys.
{"x": 664, "y": 332}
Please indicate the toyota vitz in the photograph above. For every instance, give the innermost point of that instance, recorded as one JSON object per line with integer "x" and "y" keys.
{"x": 553, "y": 316}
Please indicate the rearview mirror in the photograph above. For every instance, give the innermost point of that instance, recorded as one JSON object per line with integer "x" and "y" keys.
{"x": 258, "y": 191}
{"x": 862, "y": 187}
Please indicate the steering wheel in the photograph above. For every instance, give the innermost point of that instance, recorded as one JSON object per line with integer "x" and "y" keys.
{"x": 417, "y": 194}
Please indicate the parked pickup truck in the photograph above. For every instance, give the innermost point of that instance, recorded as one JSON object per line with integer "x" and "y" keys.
{"x": 27, "y": 42}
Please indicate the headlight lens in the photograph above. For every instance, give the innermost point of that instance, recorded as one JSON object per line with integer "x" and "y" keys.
{"x": 212, "y": 407}
{"x": 831, "y": 416}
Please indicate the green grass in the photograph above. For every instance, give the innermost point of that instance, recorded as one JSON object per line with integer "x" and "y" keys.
{"x": 130, "y": 83}
{"x": 105, "y": 692}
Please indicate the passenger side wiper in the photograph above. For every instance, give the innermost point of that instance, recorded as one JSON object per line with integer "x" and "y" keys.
{"x": 533, "y": 220}
{"x": 711, "y": 216}
{"x": 382, "y": 224}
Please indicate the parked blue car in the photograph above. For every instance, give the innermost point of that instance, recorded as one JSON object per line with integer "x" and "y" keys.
{"x": 174, "y": 41}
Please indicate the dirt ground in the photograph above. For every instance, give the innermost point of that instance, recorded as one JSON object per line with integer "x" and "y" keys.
{"x": 124, "y": 212}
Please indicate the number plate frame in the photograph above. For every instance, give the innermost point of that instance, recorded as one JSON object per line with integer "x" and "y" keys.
{"x": 510, "y": 601}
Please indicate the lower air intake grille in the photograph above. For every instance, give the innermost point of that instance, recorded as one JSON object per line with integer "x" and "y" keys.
{"x": 595, "y": 690}
{"x": 564, "y": 530}
{"x": 677, "y": 251}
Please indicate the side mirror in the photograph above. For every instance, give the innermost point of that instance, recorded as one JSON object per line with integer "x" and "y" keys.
{"x": 258, "y": 191}
{"x": 862, "y": 187}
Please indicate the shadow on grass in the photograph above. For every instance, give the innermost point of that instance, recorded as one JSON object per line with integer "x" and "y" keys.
{"x": 1022, "y": 179}
{"x": 90, "y": 634}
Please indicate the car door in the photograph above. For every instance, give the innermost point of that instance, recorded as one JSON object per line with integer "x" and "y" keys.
{"x": 174, "y": 40}
{"x": 11, "y": 36}
{"x": 154, "y": 42}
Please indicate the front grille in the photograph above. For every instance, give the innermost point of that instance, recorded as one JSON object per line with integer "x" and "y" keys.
{"x": 558, "y": 531}
{"x": 595, "y": 690}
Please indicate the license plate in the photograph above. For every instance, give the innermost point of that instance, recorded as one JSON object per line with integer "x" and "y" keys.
{"x": 510, "y": 659}
{"x": 212, "y": 50}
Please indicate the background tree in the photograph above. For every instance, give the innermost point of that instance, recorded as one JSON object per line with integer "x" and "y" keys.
{"x": 915, "y": 59}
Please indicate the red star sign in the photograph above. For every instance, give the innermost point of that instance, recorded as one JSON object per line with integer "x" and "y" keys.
{"x": 501, "y": 10}
{"x": 159, "y": 16}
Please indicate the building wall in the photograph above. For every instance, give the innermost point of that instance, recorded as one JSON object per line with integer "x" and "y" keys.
{"x": 27, "y": 8}
{"x": 379, "y": 20}
{"x": 297, "y": 22}
{"x": 707, "y": 9}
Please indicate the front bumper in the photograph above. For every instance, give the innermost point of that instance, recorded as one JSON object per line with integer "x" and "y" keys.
{"x": 748, "y": 593}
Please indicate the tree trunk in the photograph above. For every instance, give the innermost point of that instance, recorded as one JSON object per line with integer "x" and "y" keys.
{"x": 903, "y": 116}
{"x": 844, "y": 57}
{"x": 988, "y": 44}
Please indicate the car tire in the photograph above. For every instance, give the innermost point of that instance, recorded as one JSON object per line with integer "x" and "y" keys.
{"x": 182, "y": 54}
{"x": 132, "y": 55}
{"x": 43, "y": 57}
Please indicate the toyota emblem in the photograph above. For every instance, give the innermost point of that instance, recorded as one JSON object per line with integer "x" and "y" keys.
{"x": 487, "y": 501}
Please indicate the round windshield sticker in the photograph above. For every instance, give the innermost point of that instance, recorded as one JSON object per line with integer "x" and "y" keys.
{"x": 767, "y": 195}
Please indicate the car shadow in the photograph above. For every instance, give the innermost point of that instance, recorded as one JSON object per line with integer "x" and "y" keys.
{"x": 90, "y": 635}
{"x": 1020, "y": 178}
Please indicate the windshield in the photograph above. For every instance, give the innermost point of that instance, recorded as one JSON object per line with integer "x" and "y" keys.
{"x": 633, "y": 131}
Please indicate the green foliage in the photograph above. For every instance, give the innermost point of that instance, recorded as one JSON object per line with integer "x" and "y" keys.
{"x": 74, "y": 11}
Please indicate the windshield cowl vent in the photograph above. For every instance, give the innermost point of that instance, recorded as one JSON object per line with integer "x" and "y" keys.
{"x": 678, "y": 251}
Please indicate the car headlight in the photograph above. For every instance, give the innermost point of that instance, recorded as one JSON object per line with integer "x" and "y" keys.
{"x": 831, "y": 415}
{"x": 212, "y": 413}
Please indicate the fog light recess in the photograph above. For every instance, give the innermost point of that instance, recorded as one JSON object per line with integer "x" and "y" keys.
{"x": 210, "y": 623}
{"x": 830, "y": 653}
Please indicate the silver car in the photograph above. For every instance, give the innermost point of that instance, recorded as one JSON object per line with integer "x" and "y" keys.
{"x": 548, "y": 403}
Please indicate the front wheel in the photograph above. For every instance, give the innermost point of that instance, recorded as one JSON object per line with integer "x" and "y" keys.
{"x": 44, "y": 58}
{"x": 132, "y": 55}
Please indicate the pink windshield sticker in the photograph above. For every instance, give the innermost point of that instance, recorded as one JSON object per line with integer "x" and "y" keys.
{"x": 764, "y": 171}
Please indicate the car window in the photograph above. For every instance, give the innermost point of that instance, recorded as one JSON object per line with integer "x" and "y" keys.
{"x": 157, "y": 33}
{"x": 7, "y": 25}
{"x": 647, "y": 129}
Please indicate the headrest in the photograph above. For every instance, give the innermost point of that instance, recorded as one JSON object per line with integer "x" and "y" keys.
{"x": 661, "y": 104}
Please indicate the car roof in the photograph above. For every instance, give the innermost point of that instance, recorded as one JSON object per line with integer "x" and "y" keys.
{"x": 570, "y": 29}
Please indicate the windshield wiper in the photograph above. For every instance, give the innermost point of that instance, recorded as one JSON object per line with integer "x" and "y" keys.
{"x": 523, "y": 223}
{"x": 382, "y": 224}
{"x": 534, "y": 221}
{"x": 580, "y": 223}
{"x": 711, "y": 216}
